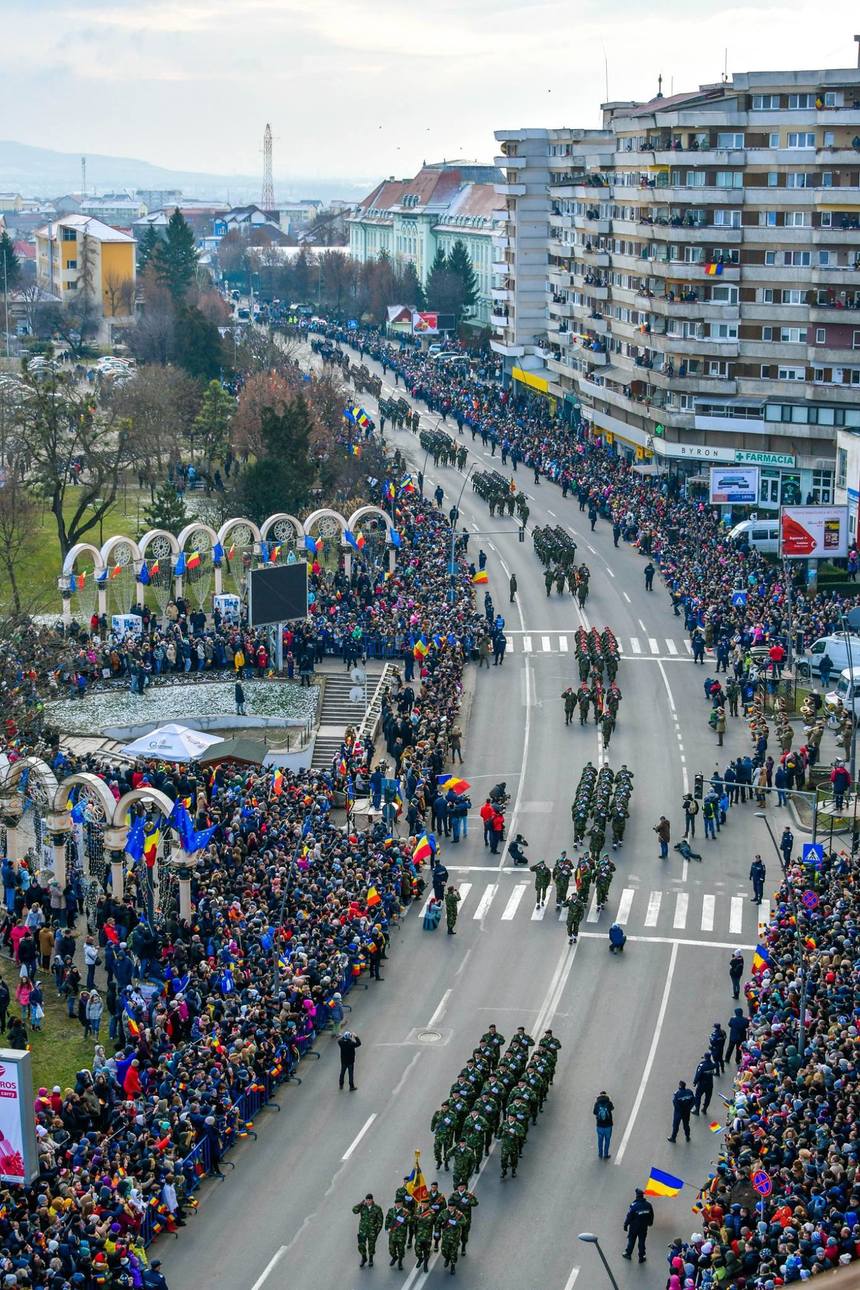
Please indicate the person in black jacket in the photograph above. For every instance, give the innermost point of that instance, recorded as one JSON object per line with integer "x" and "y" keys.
{"x": 736, "y": 972}
{"x": 738, "y": 1027}
{"x": 639, "y": 1218}
{"x": 602, "y": 1112}
{"x": 682, "y": 1104}
{"x": 348, "y": 1043}
{"x": 703, "y": 1083}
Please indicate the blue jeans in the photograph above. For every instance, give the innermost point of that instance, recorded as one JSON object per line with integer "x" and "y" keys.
{"x": 604, "y": 1137}
{"x": 664, "y": 849}
{"x": 455, "y": 825}
{"x": 710, "y": 829}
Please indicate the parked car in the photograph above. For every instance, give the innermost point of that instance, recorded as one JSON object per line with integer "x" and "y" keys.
{"x": 837, "y": 650}
{"x": 760, "y": 535}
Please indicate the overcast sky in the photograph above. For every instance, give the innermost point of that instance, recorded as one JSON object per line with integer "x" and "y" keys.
{"x": 362, "y": 88}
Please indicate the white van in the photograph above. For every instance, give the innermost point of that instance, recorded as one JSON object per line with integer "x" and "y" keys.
{"x": 761, "y": 535}
{"x": 836, "y": 649}
{"x": 847, "y": 689}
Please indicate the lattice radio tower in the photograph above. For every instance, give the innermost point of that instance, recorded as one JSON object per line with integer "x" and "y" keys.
{"x": 268, "y": 198}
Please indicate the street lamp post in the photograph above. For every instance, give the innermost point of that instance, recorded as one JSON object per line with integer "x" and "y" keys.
{"x": 590, "y": 1239}
{"x": 847, "y": 635}
{"x": 798, "y": 935}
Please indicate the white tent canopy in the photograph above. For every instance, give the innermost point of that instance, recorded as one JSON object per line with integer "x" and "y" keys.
{"x": 171, "y": 743}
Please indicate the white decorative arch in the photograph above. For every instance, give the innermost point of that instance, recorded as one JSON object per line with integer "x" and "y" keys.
{"x": 278, "y": 518}
{"x": 97, "y": 787}
{"x": 39, "y": 770}
{"x": 120, "y": 539}
{"x": 369, "y": 510}
{"x": 143, "y": 794}
{"x": 78, "y": 549}
{"x": 228, "y": 526}
{"x": 196, "y": 526}
{"x": 323, "y": 513}
{"x": 161, "y": 536}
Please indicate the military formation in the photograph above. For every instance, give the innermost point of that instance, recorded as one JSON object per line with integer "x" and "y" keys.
{"x": 444, "y": 450}
{"x": 596, "y": 653}
{"x": 398, "y": 413}
{"x": 603, "y": 797}
{"x": 554, "y": 547}
{"x": 501, "y": 495}
{"x": 496, "y": 1096}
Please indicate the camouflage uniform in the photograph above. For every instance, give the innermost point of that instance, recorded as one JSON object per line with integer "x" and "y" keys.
{"x": 452, "y": 1228}
{"x": 575, "y": 910}
{"x": 465, "y": 1201}
{"x": 542, "y": 879}
{"x": 397, "y": 1227}
{"x": 443, "y": 1126}
{"x": 369, "y": 1226}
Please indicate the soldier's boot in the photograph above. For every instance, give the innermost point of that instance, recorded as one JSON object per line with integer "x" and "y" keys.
{"x": 400, "y": 1263}
{"x": 504, "y": 1171}
{"x": 363, "y": 1260}
{"x": 370, "y": 1261}
{"x": 513, "y": 1171}
{"x": 454, "y": 1268}
{"x": 426, "y": 1264}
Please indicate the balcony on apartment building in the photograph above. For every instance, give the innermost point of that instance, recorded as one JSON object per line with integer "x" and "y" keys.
{"x": 499, "y": 319}
{"x": 836, "y": 304}
{"x": 510, "y": 189}
{"x": 645, "y": 194}
{"x": 636, "y": 398}
{"x": 592, "y": 223}
{"x": 590, "y": 253}
{"x": 687, "y": 232}
{"x": 559, "y": 306}
{"x": 509, "y": 162}
{"x": 691, "y": 305}
{"x": 558, "y": 278}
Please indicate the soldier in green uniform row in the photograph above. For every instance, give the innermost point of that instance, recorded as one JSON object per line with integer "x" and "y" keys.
{"x": 465, "y": 1201}
{"x": 397, "y": 1227}
{"x": 542, "y": 875}
{"x": 369, "y": 1226}
{"x": 452, "y": 900}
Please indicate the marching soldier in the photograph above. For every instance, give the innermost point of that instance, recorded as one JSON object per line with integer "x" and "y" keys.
{"x": 561, "y": 875}
{"x": 452, "y": 900}
{"x": 583, "y": 698}
{"x": 575, "y": 910}
{"x": 437, "y": 1205}
{"x": 569, "y": 698}
{"x": 548, "y": 579}
{"x": 512, "y": 1137}
{"x": 495, "y": 1041}
{"x": 463, "y": 1161}
{"x": 605, "y": 870}
{"x": 425, "y": 1226}
{"x": 465, "y": 1201}
{"x": 475, "y": 1132}
{"x": 443, "y": 1126}
{"x": 607, "y": 725}
{"x": 452, "y": 1229}
{"x": 542, "y": 875}
{"x": 369, "y": 1226}
{"x": 397, "y": 1226}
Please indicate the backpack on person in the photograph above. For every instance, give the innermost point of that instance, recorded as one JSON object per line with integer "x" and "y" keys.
{"x": 603, "y": 1116}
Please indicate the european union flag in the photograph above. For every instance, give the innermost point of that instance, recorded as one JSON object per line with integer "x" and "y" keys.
{"x": 135, "y": 840}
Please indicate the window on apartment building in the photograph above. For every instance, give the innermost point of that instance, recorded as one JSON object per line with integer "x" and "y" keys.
{"x": 794, "y": 296}
{"x": 822, "y": 486}
{"x": 827, "y": 179}
{"x": 717, "y": 368}
{"x": 724, "y": 331}
{"x": 71, "y": 264}
{"x": 834, "y": 98}
{"x": 791, "y": 373}
{"x": 770, "y": 257}
{"x": 724, "y": 295}
{"x": 820, "y": 335}
{"x": 800, "y": 102}
{"x": 841, "y": 467}
{"x": 765, "y": 296}
{"x": 826, "y": 220}
{"x": 818, "y": 374}
{"x": 730, "y": 179}
{"x": 696, "y": 178}
{"x": 792, "y": 335}
{"x": 728, "y": 139}
{"x": 694, "y": 254}
{"x": 797, "y": 259}
{"x": 727, "y": 219}
{"x": 828, "y": 138}
{"x": 797, "y": 219}
{"x": 767, "y": 219}
{"x": 69, "y": 235}
{"x": 773, "y": 179}
{"x": 773, "y": 139}
{"x": 801, "y": 139}
{"x": 825, "y": 259}
{"x": 765, "y": 102}
{"x": 797, "y": 179}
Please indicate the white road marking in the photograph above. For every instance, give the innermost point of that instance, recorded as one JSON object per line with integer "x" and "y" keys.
{"x": 346, "y": 1155}
{"x": 634, "y": 645}
{"x": 626, "y": 597}
{"x": 671, "y": 646}
{"x": 545, "y": 644}
{"x": 674, "y": 940}
{"x": 653, "y": 911}
{"x": 592, "y": 915}
{"x": 653, "y": 646}
{"x": 527, "y": 644}
{"x": 405, "y": 1076}
{"x": 649, "y": 1061}
{"x": 624, "y": 905}
{"x": 538, "y": 913}
{"x": 642, "y": 625}
{"x": 562, "y": 644}
{"x": 440, "y": 1010}
{"x": 464, "y": 888}
{"x": 549, "y": 512}
{"x": 708, "y": 907}
{"x": 689, "y": 646}
{"x": 611, "y": 572}
{"x": 486, "y": 900}
{"x": 736, "y": 917}
{"x": 509, "y": 648}
{"x": 763, "y": 915}
{"x": 591, "y": 548}
{"x": 270, "y": 1267}
{"x": 513, "y": 902}
{"x": 571, "y": 1280}
{"x": 682, "y": 900}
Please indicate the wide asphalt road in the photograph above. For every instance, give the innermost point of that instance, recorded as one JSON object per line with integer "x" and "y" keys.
{"x": 632, "y": 1024}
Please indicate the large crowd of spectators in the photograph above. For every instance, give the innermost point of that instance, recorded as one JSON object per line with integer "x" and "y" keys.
{"x": 290, "y": 908}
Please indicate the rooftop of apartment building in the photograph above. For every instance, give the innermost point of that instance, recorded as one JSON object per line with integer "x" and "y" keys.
{"x": 85, "y": 224}
{"x": 434, "y": 187}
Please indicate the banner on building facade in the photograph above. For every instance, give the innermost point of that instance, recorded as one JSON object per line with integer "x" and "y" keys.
{"x": 18, "y": 1160}
{"x": 813, "y": 532}
{"x": 425, "y": 324}
{"x": 734, "y": 484}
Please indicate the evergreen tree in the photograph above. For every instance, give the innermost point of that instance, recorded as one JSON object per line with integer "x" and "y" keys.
{"x": 167, "y": 511}
{"x": 10, "y": 265}
{"x": 411, "y": 290}
{"x": 176, "y": 257}
{"x": 438, "y": 282}
{"x": 460, "y": 266}
{"x": 281, "y": 479}
{"x": 147, "y": 247}
{"x": 210, "y": 435}
{"x": 198, "y": 344}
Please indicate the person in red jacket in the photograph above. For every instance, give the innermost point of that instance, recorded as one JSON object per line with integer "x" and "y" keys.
{"x": 840, "y": 779}
{"x": 487, "y": 812}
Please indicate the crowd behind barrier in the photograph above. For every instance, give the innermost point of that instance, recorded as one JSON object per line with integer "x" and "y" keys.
{"x": 290, "y": 911}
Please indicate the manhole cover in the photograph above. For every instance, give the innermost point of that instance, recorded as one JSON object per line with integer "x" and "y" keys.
{"x": 429, "y": 1036}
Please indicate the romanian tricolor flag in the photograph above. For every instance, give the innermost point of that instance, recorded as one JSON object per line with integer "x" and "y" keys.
{"x": 274, "y": 555}
{"x": 713, "y": 270}
{"x": 116, "y": 571}
{"x": 407, "y": 484}
{"x": 152, "y": 837}
{"x": 663, "y": 1184}
{"x": 153, "y": 569}
{"x": 415, "y": 1184}
{"x": 360, "y": 540}
{"x": 761, "y": 959}
{"x": 420, "y": 648}
{"x": 373, "y": 898}
{"x": 355, "y": 450}
{"x": 424, "y": 848}
{"x": 453, "y": 782}
{"x": 278, "y": 783}
{"x": 480, "y": 576}
{"x": 131, "y": 1024}
{"x": 81, "y": 581}
{"x": 231, "y": 553}
{"x": 193, "y": 560}
{"x": 715, "y": 1126}
{"x": 390, "y": 490}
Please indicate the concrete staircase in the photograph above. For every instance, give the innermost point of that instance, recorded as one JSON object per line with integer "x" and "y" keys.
{"x": 337, "y": 711}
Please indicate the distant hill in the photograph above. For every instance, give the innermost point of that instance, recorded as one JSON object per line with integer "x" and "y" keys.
{"x": 43, "y": 172}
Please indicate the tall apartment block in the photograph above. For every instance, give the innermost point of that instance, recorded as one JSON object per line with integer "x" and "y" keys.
{"x": 701, "y": 298}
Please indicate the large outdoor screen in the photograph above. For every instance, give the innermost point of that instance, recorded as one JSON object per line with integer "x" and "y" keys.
{"x": 278, "y": 594}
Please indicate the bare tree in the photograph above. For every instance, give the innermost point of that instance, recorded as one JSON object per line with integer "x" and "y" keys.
{"x": 119, "y": 291}
{"x": 159, "y": 405}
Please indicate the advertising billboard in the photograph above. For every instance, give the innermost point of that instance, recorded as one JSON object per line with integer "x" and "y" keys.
{"x": 425, "y": 324}
{"x": 277, "y": 594}
{"x": 734, "y": 484}
{"x": 813, "y": 532}
{"x": 18, "y": 1161}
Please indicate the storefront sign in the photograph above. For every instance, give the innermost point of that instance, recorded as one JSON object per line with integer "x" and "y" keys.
{"x": 753, "y": 458}
{"x": 734, "y": 485}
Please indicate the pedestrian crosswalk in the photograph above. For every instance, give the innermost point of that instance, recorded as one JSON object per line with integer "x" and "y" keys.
{"x": 538, "y": 642}
{"x": 663, "y": 912}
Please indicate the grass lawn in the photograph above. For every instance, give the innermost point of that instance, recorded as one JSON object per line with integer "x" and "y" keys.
{"x": 59, "y": 1049}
